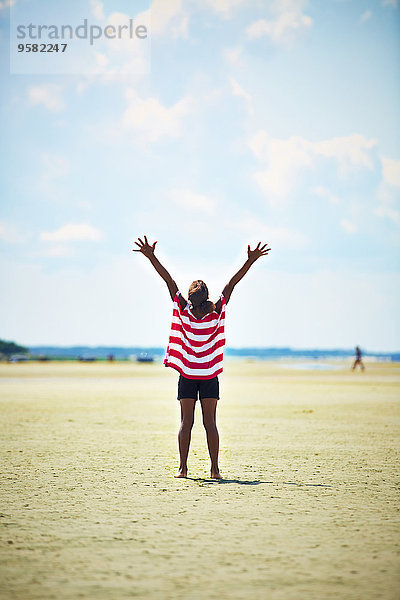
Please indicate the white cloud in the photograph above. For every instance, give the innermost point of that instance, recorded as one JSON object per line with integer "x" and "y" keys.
{"x": 57, "y": 251}
{"x": 279, "y": 6}
{"x": 392, "y": 3}
{"x": 384, "y": 210}
{"x": 237, "y": 90}
{"x": 284, "y": 160}
{"x": 146, "y": 120}
{"x": 282, "y": 29}
{"x": 348, "y": 226}
{"x": 189, "y": 200}
{"x": 276, "y": 237}
{"x": 366, "y": 16}
{"x": 224, "y": 8}
{"x": 391, "y": 171}
{"x": 169, "y": 17}
{"x": 97, "y": 9}
{"x": 150, "y": 120}
{"x": 101, "y": 59}
{"x": 72, "y": 232}
{"x": 234, "y": 56}
{"x": 389, "y": 191}
{"x": 48, "y": 95}
{"x": 322, "y": 192}
{"x": 116, "y": 57}
{"x": 350, "y": 151}
{"x": 287, "y": 22}
{"x": 179, "y": 29}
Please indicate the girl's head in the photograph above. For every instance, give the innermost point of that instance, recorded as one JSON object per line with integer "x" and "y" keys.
{"x": 198, "y": 296}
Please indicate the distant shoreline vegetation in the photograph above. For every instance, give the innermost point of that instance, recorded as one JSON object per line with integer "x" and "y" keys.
{"x": 127, "y": 353}
{"x": 10, "y": 350}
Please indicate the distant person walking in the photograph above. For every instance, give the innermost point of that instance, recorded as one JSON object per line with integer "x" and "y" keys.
{"x": 358, "y": 360}
{"x": 195, "y": 350}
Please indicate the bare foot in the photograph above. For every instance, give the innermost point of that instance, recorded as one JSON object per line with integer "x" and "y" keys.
{"x": 216, "y": 475}
{"x": 181, "y": 473}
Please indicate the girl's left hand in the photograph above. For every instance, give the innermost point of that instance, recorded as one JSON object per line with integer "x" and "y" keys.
{"x": 144, "y": 247}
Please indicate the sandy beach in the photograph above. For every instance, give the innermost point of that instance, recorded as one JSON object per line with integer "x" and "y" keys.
{"x": 308, "y": 508}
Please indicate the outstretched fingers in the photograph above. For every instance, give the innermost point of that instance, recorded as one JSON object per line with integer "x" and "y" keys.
{"x": 259, "y": 248}
{"x": 147, "y": 242}
{"x": 144, "y": 247}
{"x": 140, "y": 246}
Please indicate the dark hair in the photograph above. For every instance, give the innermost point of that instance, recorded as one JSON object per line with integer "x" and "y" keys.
{"x": 198, "y": 296}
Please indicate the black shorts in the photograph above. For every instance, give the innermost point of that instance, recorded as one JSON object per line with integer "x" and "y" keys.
{"x": 191, "y": 388}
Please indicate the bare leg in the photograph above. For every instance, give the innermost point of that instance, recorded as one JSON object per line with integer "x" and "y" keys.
{"x": 358, "y": 361}
{"x": 185, "y": 432}
{"x": 209, "y": 408}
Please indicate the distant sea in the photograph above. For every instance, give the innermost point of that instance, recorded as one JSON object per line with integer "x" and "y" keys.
{"x": 126, "y": 353}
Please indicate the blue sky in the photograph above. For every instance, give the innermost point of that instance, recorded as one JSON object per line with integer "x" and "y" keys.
{"x": 257, "y": 120}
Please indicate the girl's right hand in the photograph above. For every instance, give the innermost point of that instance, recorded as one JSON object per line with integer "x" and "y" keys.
{"x": 144, "y": 247}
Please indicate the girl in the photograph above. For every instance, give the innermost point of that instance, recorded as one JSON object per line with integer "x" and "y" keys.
{"x": 195, "y": 350}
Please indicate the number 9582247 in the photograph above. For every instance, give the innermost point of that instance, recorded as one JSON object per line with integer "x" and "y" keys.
{"x": 42, "y": 47}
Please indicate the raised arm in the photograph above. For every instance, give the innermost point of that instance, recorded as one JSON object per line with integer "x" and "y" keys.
{"x": 148, "y": 250}
{"x": 252, "y": 256}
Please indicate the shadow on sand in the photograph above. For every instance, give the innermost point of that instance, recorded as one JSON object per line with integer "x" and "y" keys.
{"x": 254, "y": 482}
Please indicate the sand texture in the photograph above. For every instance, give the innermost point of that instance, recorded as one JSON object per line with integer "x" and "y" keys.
{"x": 308, "y": 509}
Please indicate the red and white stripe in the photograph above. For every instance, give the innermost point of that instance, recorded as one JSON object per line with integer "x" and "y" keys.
{"x": 196, "y": 346}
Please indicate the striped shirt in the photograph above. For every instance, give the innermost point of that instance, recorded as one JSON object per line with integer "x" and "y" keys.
{"x": 196, "y": 346}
